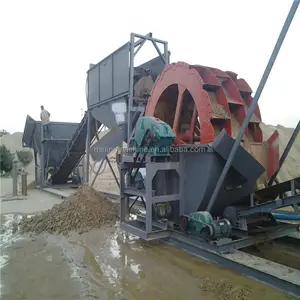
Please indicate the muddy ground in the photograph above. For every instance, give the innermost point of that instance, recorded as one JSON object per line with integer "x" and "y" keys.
{"x": 105, "y": 263}
{"x": 284, "y": 251}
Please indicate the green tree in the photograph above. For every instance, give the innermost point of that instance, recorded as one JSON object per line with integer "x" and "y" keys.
{"x": 6, "y": 160}
{"x": 24, "y": 156}
{"x": 3, "y": 132}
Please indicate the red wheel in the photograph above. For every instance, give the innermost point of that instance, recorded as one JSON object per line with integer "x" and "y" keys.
{"x": 198, "y": 102}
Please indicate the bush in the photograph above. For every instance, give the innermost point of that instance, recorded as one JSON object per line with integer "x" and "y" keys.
{"x": 3, "y": 132}
{"x": 25, "y": 157}
{"x": 6, "y": 160}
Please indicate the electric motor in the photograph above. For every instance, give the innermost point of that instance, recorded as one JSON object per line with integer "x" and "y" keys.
{"x": 162, "y": 210}
{"x": 202, "y": 223}
{"x": 220, "y": 229}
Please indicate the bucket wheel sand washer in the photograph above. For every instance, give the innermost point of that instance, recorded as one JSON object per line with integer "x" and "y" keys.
{"x": 198, "y": 102}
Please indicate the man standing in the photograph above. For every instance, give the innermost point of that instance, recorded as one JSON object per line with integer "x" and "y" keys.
{"x": 45, "y": 118}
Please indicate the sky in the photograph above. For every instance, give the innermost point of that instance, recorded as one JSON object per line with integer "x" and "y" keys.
{"x": 46, "y": 48}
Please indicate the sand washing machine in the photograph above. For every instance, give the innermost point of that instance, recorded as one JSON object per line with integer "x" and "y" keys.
{"x": 182, "y": 143}
{"x": 181, "y": 124}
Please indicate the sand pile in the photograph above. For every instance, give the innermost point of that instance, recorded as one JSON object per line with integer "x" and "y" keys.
{"x": 291, "y": 167}
{"x": 225, "y": 290}
{"x": 81, "y": 212}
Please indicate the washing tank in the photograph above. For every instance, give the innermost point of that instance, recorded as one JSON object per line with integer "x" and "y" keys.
{"x": 201, "y": 167}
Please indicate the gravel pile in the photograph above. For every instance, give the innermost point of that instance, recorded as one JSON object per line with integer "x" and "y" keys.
{"x": 224, "y": 290}
{"x": 81, "y": 212}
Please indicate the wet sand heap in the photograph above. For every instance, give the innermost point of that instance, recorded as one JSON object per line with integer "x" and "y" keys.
{"x": 81, "y": 212}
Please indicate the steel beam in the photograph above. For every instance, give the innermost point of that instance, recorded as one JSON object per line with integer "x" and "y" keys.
{"x": 42, "y": 158}
{"x": 269, "y": 206}
{"x": 254, "y": 102}
{"x": 132, "y": 227}
{"x": 254, "y": 273}
{"x": 87, "y": 148}
{"x": 113, "y": 172}
{"x": 97, "y": 173}
{"x": 132, "y": 53}
{"x": 147, "y": 37}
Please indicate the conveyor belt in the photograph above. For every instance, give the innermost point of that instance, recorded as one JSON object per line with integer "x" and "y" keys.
{"x": 272, "y": 192}
{"x": 74, "y": 152}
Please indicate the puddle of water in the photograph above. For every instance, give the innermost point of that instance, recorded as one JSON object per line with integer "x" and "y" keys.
{"x": 7, "y": 236}
{"x": 127, "y": 268}
{"x": 119, "y": 266}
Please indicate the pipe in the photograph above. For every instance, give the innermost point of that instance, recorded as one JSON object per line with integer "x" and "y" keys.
{"x": 286, "y": 217}
{"x": 285, "y": 153}
{"x": 259, "y": 90}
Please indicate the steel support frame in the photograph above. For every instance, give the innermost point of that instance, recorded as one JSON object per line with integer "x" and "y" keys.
{"x": 98, "y": 171}
{"x": 87, "y": 149}
{"x": 134, "y": 48}
{"x": 270, "y": 206}
{"x": 146, "y": 229}
{"x": 42, "y": 158}
{"x": 227, "y": 245}
{"x": 35, "y": 168}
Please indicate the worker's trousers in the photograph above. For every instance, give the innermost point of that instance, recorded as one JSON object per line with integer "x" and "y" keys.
{"x": 47, "y": 131}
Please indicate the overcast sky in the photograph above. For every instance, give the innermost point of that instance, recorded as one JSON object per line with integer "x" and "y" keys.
{"x": 46, "y": 48}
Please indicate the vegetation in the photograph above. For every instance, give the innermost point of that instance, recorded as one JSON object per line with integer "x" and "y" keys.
{"x": 3, "y": 132}
{"x": 24, "y": 156}
{"x": 6, "y": 160}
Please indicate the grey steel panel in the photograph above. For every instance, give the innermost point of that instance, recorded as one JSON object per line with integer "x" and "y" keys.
{"x": 105, "y": 114}
{"x": 198, "y": 174}
{"x": 201, "y": 181}
{"x": 132, "y": 227}
{"x": 63, "y": 131}
{"x": 28, "y": 132}
{"x": 93, "y": 86}
{"x": 105, "y": 80}
{"x": 121, "y": 71}
{"x": 160, "y": 225}
{"x": 36, "y": 142}
{"x": 243, "y": 162}
{"x": 108, "y": 142}
{"x": 165, "y": 198}
{"x": 53, "y": 152}
{"x": 156, "y": 65}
